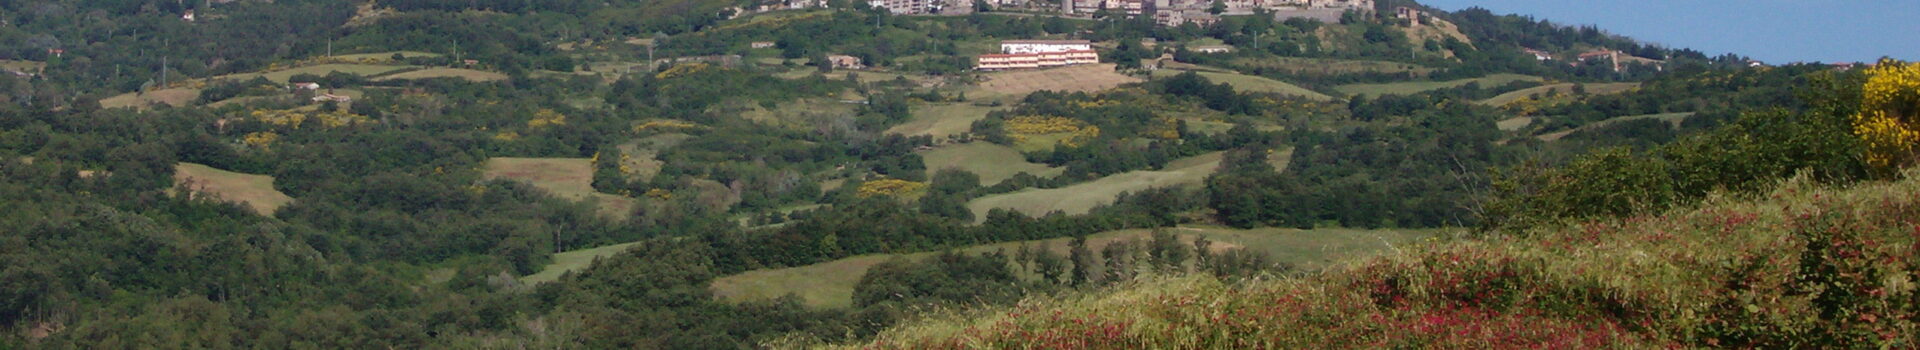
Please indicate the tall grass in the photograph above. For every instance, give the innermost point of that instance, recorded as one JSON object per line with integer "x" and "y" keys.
{"x": 1798, "y": 267}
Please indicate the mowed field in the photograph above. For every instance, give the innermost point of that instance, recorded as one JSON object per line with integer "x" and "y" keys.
{"x": 1564, "y": 88}
{"x": 254, "y": 191}
{"x": 462, "y": 73}
{"x": 1082, "y": 78}
{"x": 941, "y": 120}
{"x": 173, "y": 97}
{"x": 569, "y": 178}
{"x": 574, "y": 260}
{"x": 994, "y": 163}
{"x": 1244, "y": 82}
{"x": 1079, "y": 198}
{"x": 1414, "y": 87}
{"x": 830, "y": 284}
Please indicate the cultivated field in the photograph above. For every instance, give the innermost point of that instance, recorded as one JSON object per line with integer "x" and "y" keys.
{"x": 1414, "y": 87}
{"x": 569, "y": 178}
{"x": 830, "y": 284}
{"x": 941, "y": 120}
{"x": 1251, "y": 83}
{"x": 255, "y": 191}
{"x": 173, "y": 97}
{"x": 462, "y": 73}
{"x": 1672, "y": 119}
{"x": 994, "y": 163}
{"x": 574, "y": 260}
{"x": 1564, "y": 88}
{"x": 1079, "y": 198}
{"x": 1088, "y": 78}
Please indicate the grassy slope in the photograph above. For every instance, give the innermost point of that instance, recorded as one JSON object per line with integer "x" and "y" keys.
{"x": 1673, "y": 119}
{"x": 570, "y": 178}
{"x": 994, "y": 163}
{"x": 830, "y": 284}
{"x": 574, "y": 260}
{"x": 1079, "y": 198}
{"x": 281, "y": 76}
{"x": 1723, "y": 274}
{"x": 1564, "y": 88}
{"x": 941, "y": 120}
{"x": 385, "y": 55}
{"x": 255, "y": 191}
{"x": 1085, "y": 78}
{"x": 462, "y": 73}
{"x": 1329, "y": 66}
{"x": 175, "y": 97}
{"x": 1252, "y": 83}
{"x": 1414, "y": 87}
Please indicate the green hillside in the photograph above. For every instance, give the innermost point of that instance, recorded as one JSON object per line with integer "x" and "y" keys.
{"x": 734, "y": 174}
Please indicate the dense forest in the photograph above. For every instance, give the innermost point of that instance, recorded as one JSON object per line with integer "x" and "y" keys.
{"x": 402, "y": 222}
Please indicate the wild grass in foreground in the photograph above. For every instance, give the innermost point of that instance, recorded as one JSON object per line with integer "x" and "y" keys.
{"x": 1800, "y": 267}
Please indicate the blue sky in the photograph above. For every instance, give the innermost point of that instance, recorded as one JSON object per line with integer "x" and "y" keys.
{"x": 1769, "y": 30}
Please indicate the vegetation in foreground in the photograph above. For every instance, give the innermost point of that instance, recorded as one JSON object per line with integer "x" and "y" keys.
{"x": 1802, "y": 266}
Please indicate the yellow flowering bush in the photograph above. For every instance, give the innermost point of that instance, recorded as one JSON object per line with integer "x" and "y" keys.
{"x": 663, "y": 124}
{"x": 294, "y": 119}
{"x": 683, "y": 70}
{"x": 1041, "y": 125}
{"x": 1889, "y": 118}
{"x": 890, "y": 187}
{"x": 261, "y": 140}
{"x": 545, "y": 118}
{"x": 659, "y": 194}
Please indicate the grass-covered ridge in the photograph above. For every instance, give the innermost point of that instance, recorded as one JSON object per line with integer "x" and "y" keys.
{"x": 1799, "y": 266}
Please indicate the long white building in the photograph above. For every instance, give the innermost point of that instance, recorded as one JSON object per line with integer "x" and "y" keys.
{"x": 1044, "y": 46}
{"x": 1024, "y": 54}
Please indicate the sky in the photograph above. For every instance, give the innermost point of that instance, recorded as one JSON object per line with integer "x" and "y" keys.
{"x": 1775, "y": 31}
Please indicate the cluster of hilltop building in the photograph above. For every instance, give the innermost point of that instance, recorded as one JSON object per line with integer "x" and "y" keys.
{"x": 1177, "y": 12}
{"x": 1165, "y": 12}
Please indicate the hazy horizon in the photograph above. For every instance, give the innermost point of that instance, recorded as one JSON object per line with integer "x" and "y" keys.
{"x": 1775, "y": 31}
